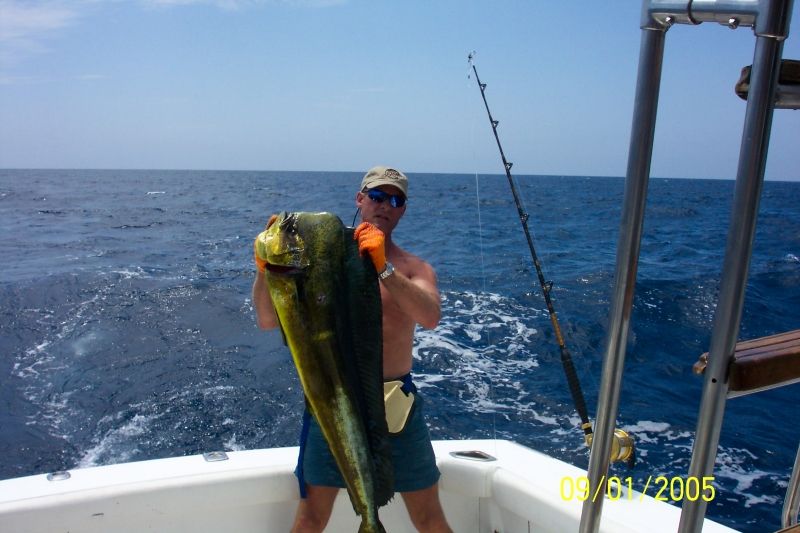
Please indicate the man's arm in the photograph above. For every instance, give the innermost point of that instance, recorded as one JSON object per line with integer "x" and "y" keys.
{"x": 266, "y": 318}
{"x": 417, "y": 296}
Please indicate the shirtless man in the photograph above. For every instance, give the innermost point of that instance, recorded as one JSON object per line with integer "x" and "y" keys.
{"x": 409, "y": 297}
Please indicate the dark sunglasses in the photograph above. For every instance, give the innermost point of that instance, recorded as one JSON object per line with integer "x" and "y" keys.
{"x": 378, "y": 196}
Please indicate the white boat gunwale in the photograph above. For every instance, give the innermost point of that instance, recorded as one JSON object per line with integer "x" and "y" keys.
{"x": 255, "y": 490}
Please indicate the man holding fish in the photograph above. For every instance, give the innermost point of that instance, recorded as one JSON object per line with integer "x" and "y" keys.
{"x": 408, "y": 296}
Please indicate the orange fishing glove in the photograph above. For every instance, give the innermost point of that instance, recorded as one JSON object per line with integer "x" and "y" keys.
{"x": 372, "y": 241}
{"x": 261, "y": 264}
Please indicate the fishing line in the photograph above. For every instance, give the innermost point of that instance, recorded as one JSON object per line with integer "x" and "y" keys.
{"x": 622, "y": 449}
{"x": 481, "y": 299}
{"x": 483, "y": 292}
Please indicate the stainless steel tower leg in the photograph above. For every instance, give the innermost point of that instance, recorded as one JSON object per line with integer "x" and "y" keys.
{"x": 639, "y": 156}
{"x": 749, "y": 181}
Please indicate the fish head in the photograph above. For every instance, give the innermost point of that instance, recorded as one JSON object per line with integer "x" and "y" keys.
{"x": 293, "y": 241}
{"x": 282, "y": 245}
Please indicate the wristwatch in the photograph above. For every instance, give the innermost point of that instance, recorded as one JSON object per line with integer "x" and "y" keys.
{"x": 387, "y": 271}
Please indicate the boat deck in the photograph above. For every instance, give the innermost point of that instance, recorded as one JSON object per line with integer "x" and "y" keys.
{"x": 255, "y": 490}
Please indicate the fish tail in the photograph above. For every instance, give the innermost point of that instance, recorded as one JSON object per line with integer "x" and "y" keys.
{"x": 371, "y": 526}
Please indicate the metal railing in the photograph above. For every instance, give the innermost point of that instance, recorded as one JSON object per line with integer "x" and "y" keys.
{"x": 770, "y": 22}
{"x": 791, "y": 505}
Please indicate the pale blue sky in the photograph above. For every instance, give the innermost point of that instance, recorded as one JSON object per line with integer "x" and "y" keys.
{"x": 343, "y": 85}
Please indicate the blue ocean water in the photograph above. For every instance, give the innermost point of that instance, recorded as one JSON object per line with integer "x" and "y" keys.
{"x": 127, "y": 330}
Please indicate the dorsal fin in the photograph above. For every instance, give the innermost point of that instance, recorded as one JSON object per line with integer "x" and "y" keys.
{"x": 365, "y": 314}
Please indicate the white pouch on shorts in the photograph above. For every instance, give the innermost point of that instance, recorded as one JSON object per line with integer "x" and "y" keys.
{"x": 398, "y": 405}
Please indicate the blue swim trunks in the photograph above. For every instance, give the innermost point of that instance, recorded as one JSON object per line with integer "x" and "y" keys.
{"x": 412, "y": 456}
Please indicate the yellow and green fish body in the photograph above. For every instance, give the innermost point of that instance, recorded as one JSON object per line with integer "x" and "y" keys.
{"x": 328, "y": 303}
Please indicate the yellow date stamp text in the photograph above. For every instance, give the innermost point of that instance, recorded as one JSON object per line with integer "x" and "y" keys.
{"x": 661, "y": 488}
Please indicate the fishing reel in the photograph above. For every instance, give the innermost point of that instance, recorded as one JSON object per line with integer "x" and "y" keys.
{"x": 622, "y": 447}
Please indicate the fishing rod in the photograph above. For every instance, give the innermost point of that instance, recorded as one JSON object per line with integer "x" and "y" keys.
{"x": 622, "y": 446}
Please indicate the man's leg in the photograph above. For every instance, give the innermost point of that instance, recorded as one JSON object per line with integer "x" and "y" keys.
{"x": 315, "y": 509}
{"x": 425, "y": 510}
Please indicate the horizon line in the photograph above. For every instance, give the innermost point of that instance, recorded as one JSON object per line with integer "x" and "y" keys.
{"x": 447, "y": 173}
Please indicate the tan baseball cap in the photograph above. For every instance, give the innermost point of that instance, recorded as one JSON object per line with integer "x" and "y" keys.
{"x": 377, "y": 176}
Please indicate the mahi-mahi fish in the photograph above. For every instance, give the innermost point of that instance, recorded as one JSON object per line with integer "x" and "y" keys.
{"x": 328, "y": 304}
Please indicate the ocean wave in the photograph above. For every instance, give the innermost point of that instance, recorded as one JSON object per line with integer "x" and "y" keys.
{"x": 481, "y": 357}
{"x": 753, "y": 485}
{"x": 117, "y": 445}
{"x": 132, "y": 272}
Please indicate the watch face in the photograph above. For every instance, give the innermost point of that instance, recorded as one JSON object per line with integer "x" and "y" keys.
{"x": 388, "y": 271}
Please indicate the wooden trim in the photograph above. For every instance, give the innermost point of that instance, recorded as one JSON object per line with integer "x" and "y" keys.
{"x": 762, "y": 363}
